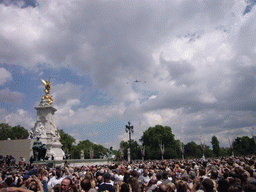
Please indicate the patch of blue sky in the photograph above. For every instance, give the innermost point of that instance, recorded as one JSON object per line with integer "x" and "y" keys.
{"x": 20, "y": 3}
{"x": 29, "y": 81}
{"x": 251, "y": 4}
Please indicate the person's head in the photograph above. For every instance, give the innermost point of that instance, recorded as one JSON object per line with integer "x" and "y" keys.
{"x": 208, "y": 185}
{"x": 202, "y": 172}
{"x": 249, "y": 187}
{"x": 100, "y": 179}
{"x": 162, "y": 188}
{"x": 181, "y": 186}
{"x": 125, "y": 187}
{"x": 214, "y": 174}
{"x": 235, "y": 188}
{"x": 185, "y": 177}
{"x": 159, "y": 176}
{"x": 107, "y": 177}
{"x": 145, "y": 172}
{"x": 223, "y": 185}
{"x": 66, "y": 184}
{"x": 86, "y": 184}
{"x": 134, "y": 183}
{"x": 58, "y": 173}
{"x": 170, "y": 187}
{"x": 33, "y": 187}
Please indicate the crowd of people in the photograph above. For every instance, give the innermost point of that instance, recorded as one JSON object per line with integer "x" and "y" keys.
{"x": 223, "y": 174}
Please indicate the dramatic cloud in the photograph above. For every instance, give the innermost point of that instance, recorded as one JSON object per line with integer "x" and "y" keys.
{"x": 4, "y": 76}
{"x": 194, "y": 62}
{"x": 20, "y": 117}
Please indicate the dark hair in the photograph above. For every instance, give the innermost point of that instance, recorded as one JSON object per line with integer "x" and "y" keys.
{"x": 125, "y": 187}
{"x": 223, "y": 185}
{"x": 159, "y": 176}
{"x": 214, "y": 174}
{"x": 249, "y": 187}
{"x": 235, "y": 188}
{"x": 162, "y": 188}
{"x": 182, "y": 186}
{"x": 86, "y": 184}
{"x": 33, "y": 187}
{"x": 208, "y": 185}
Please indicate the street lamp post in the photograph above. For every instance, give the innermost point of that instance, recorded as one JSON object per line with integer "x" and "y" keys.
{"x": 129, "y": 128}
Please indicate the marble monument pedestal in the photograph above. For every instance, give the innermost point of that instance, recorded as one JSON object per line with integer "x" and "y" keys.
{"x": 46, "y": 130}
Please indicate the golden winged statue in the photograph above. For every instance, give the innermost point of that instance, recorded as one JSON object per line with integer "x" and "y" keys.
{"x": 47, "y": 85}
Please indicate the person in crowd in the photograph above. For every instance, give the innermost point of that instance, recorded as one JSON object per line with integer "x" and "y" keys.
{"x": 107, "y": 185}
{"x": 66, "y": 185}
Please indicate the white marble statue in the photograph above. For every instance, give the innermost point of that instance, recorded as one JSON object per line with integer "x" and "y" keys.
{"x": 40, "y": 130}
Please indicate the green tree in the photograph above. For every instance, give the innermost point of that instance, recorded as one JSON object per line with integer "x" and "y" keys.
{"x": 244, "y": 146}
{"x": 5, "y": 131}
{"x": 193, "y": 150}
{"x": 215, "y": 146}
{"x": 19, "y": 132}
{"x": 153, "y": 137}
{"x": 135, "y": 149}
{"x": 208, "y": 152}
{"x": 16, "y": 132}
{"x": 66, "y": 140}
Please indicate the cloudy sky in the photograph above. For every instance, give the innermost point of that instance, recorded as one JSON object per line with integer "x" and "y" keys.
{"x": 195, "y": 61}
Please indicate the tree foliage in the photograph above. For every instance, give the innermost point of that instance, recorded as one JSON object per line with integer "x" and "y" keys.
{"x": 135, "y": 149}
{"x": 153, "y": 137}
{"x": 66, "y": 140}
{"x": 244, "y": 146}
{"x": 215, "y": 146}
{"x": 85, "y": 145}
{"x": 16, "y": 132}
{"x": 193, "y": 150}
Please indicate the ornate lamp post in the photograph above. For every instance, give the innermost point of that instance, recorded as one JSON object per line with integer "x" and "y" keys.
{"x": 129, "y": 128}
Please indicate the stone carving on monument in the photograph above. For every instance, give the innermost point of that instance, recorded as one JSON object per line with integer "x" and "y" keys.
{"x": 45, "y": 128}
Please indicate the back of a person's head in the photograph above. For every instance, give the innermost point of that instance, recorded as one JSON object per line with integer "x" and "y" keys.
{"x": 249, "y": 187}
{"x": 126, "y": 177}
{"x": 185, "y": 177}
{"x": 134, "y": 184}
{"x": 58, "y": 173}
{"x": 165, "y": 175}
{"x": 151, "y": 182}
{"x": 162, "y": 188}
{"x": 251, "y": 180}
{"x": 201, "y": 171}
{"x": 159, "y": 176}
{"x": 33, "y": 187}
{"x": 9, "y": 181}
{"x": 208, "y": 185}
{"x": 188, "y": 168}
{"x": 223, "y": 185}
{"x": 182, "y": 186}
{"x": 214, "y": 174}
{"x": 125, "y": 187}
{"x": 170, "y": 187}
{"x": 235, "y": 188}
{"x": 86, "y": 184}
{"x": 133, "y": 173}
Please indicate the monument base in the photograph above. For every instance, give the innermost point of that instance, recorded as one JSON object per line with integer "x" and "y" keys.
{"x": 54, "y": 150}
